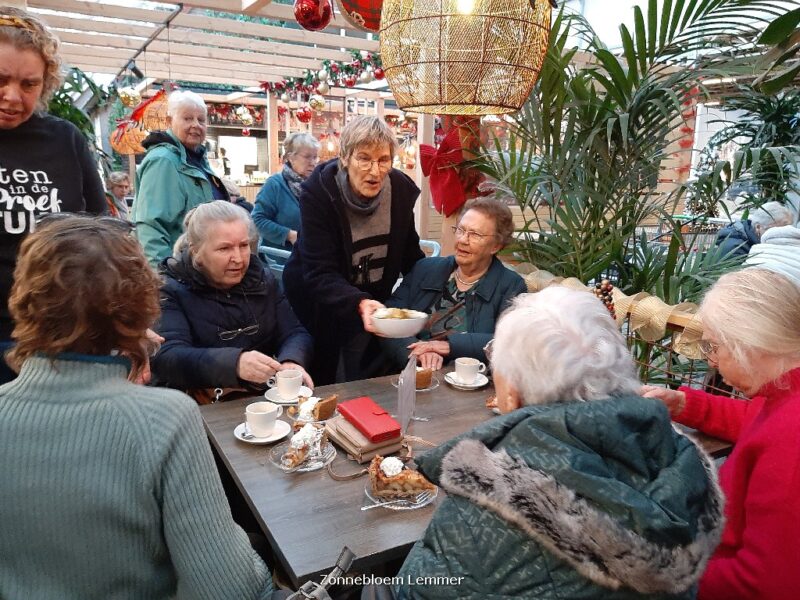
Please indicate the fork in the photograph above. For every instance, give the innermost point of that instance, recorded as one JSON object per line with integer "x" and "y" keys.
{"x": 419, "y": 499}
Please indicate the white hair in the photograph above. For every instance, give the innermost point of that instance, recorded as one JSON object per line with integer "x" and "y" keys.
{"x": 180, "y": 98}
{"x": 562, "y": 345}
{"x": 771, "y": 214}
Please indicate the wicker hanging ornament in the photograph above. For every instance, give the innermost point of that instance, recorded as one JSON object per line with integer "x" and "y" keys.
{"x": 463, "y": 58}
{"x": 313, "y": 14}
{"x": 364, "y": 14}
{"x": 127, "y": 138}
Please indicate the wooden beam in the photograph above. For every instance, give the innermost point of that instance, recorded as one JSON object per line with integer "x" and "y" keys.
{"x": 102, "y": 9}
{"x": 251, "y": 7}
{"x": 79, "y": 24}
{"x": 277, "y": 33}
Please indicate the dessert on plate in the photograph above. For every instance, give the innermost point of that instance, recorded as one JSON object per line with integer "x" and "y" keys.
{"x": 424, "y": 378}
{"x": 309, "y": 442}
{"x": 391, "y": 480}
{"x": 398, "y": 313}
{"x": 314, "y": 409}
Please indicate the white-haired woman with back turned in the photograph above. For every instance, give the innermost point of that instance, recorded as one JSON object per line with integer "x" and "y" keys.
{"x": 751, "y": 334}
{"x": 582, "y": 489}
{"x": 174, "y": 176}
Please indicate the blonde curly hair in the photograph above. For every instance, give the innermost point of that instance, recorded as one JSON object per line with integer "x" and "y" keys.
{"x": 26, "y": 32}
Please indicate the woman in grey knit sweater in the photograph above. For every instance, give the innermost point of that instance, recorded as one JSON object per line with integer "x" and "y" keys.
{"x": 107, "y": 489}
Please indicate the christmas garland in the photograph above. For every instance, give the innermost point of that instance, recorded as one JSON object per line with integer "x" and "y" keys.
{"x": 362, "y": 69}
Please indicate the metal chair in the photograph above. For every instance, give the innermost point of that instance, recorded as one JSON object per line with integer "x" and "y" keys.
{"x": 275, "y": 259}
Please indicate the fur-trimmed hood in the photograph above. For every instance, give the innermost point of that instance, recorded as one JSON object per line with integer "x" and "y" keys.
{"x": 607, "y": 486}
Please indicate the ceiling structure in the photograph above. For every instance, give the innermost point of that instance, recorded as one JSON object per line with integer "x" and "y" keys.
{"x": 185, "y": 42}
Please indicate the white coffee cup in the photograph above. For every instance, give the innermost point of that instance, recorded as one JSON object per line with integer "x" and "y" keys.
{"x": 467, "y": 370}
{"x": 288, "y": 383}
{"x": 261, "y": 417}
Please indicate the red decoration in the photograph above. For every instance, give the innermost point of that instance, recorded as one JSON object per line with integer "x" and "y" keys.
{"x": 304, "y": 114}
{"x": 378, "y": 73}
{"x": 313, "y": 14}
{"x": 282, "y": 111}
{"x": 364, "y": 14}
{"x": 245, "y": 131}
{"x": 350, "y": 80}
{"x": 442, "y": 167}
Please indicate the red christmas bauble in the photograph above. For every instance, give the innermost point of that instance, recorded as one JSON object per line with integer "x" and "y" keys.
{"x": 245, "y": 131}
{"x": 304, "y": 114}
{"x": 378, "y": 73}
{"x": 364, "y": 14}
{"x": 350, "y": 80}
{"x": 313, "y": 14}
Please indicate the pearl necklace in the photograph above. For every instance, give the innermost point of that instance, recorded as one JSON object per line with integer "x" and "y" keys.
{"x": 468, "y": 283}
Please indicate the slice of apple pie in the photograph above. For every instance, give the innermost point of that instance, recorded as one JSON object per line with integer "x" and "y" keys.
{"x": 391, "y": 480}
{"x": 309, "y": 442}
{"x": 315, "y": 409}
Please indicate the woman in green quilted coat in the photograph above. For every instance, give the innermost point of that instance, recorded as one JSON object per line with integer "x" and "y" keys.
{"x": 580, "y": 490}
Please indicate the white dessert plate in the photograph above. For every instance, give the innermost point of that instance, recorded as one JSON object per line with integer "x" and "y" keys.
{"x": 273, "y": 396}
{"x": 403, "y": 504}
{"x": 434, "y": 383}
{"x": 312, "y": 463}
{"x": 480, "y": 381}
{"x": 282, "y": 429}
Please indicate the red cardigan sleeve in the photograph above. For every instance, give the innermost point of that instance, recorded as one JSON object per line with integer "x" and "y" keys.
{"x": 717, "y": 415}
{"x": 765, "y": 565}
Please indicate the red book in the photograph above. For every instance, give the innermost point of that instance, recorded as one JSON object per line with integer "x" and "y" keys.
{"x": 370, "y": 419}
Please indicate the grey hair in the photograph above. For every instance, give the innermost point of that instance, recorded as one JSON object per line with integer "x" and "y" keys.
{"x": 771, "y": 214}
{"x": 365, "y": 131}
{"x": 199, "y": 220}
{"x": 755, "y": 311}
{"x": 297, "y": 141}
{"x": 117, "y": 177}
{"x": 180, "y": 98}
{"x": 562, "y": 345}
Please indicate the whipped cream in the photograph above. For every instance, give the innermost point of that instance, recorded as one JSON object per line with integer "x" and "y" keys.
{"x": 306, "y": 412}
{"x": 391, "y": 466}
{"x": 307, "y": 436}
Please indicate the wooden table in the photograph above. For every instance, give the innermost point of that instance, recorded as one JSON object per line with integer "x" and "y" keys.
{"x": 308, "y": 517}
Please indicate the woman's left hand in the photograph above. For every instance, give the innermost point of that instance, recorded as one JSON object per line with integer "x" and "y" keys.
{"x": 439, "y": 347}
{"x": 307, "y": 381}
{"x": 151, "y": 344}
{"x": 431, "y": 360}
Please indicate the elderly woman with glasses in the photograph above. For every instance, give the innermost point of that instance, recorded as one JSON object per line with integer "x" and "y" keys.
{"x": 224, "y": 320}
{"x": 751, "y": 334}
{"x": 464, "y": 294}
{"x": 277, "y": 209}
{"x": 581, "y": 489}
{"x": 357, "y": 237}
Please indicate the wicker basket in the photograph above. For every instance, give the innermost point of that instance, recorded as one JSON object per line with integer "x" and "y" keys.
{"x": 438, "y": 60}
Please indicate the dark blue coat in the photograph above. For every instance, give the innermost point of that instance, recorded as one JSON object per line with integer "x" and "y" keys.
{"x": 194, "y": 312}
{"x": 737, "y": 238}
{"x": 424, "y": 286}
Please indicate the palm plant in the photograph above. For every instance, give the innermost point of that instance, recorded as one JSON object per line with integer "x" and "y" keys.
{"x": 587, "y": 150}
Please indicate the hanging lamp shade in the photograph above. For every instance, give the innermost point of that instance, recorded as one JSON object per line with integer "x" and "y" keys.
{"x": 463, "y": 57}
{"x": 364, "y": 14}
{"x": 127, "y": 138}
{"x": 155, "y": 115}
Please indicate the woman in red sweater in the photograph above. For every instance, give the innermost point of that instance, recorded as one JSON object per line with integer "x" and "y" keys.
{"x": 751, "y": 334}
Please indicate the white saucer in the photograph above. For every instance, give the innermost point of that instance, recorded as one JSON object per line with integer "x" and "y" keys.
{"x": 273, "y": 396}
{"x": 282, "y": 429}
{"x": 480, "y": 381}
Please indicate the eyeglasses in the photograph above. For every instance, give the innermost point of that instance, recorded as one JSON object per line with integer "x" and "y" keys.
{"x": 707, "y": 348}
{"x": 365, "y": 164}
{"x": 233, "y": 333}
{"x": 488, "y": 350}
{"x": 461, "y": 232}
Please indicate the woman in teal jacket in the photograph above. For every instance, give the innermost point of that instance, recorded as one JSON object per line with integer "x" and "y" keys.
{"x": 277, "y": 209}
{"x": 174, "y": 177}
{"x": 465, "y": 293}
{"x": 582, "y": 490}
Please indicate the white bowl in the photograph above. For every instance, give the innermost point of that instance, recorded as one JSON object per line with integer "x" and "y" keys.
{"x": 398, "y": 328}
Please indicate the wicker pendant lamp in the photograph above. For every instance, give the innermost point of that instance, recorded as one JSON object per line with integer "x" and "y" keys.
{"x": 463, "y": 57}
